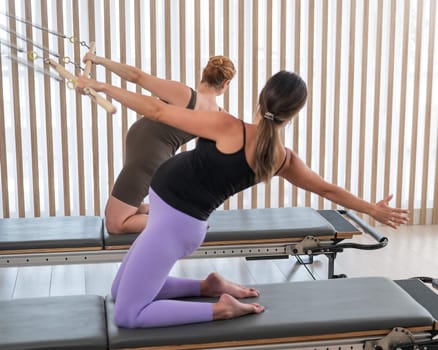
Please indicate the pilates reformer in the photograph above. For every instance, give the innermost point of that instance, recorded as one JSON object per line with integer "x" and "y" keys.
{"x": 250, "y": 233}
{"x": 371, "y": 313}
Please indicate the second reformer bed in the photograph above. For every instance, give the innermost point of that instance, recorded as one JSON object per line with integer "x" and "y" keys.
{"x": 250, "y": 233}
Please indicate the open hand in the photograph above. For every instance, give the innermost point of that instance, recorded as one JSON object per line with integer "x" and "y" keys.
{"x": 387, "y": 215}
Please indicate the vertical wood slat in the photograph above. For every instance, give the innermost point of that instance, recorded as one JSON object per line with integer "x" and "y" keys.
{"x": 63, "y": 113}
{"x": 3, "y": 156}
{"x": 153, "y": 36}
{"x": 197, "y": 39}
{"x": 94, "y": 120}
{"x": 255, "y": 80}
{"x": 48, "y": 119}
{"x": 138, "y": 35}
{"x": 323, "y": 117}
{"x": 17, "y": 119}
{"x": 79, "y": 124}
{"x": 362, "y": 114}
{"x": 182, "y": 41}
{"x": 282, "y": 67}
{"x": 268, "y": 56}
{"x": 32, "y": 121}
{"x": 310, "y": 57}
{"x": 351, "y": 63}
{"x": 389, "y": 114}
{"x": 109, "y": 117}
{"x": 283, "y": 11}
{"x": 182, "y": 48}
{"x": 376, "y": 126}
{"x": 211, "y": 31}
{"x": 123, "y": 83}
{"x": 435, "y": 197}
{"x": 226, "y": 5}
{"x": 415, "y": 108}
{"x": 297, "y": 68}
{"x": 241, "y": 76}
{"x": 226, "y": 29}
{"x": 401, "y": 139}
{"x": 427, "y": 129}
{"x": 337, "y": 94}
{"x": 167, "y": 39}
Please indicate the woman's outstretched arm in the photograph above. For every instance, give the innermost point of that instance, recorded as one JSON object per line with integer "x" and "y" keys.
{"x": 172, "y": 92}
{"x": 300, "y": 175}
{"x": 212, "y": 125}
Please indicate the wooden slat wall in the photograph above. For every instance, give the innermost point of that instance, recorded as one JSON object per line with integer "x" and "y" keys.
{"x": 369, "y": 124}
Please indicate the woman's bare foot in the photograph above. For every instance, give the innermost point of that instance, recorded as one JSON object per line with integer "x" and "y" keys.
{"x": 215, "y": 285}
{"x": 228, "y": 307}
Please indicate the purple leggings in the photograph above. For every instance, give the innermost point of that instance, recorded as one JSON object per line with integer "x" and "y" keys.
{"x": 142, "y": 289}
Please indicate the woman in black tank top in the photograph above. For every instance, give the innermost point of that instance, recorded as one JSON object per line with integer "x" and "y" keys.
{"x": 238, "y": 155}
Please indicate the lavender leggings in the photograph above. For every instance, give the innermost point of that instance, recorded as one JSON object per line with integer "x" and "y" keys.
{"x": 142, "y": 289}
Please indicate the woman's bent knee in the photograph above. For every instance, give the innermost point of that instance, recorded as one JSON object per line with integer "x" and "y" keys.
{"x": 114, "y": 225}
{"x": 124, "y": 319}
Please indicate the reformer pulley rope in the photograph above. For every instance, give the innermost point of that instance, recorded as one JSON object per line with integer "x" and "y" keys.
{"x": 64, "y": 73}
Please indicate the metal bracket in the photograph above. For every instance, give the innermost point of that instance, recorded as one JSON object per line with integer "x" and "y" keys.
{"x": 306, "y": 246}
{"x": 398, "y": 336}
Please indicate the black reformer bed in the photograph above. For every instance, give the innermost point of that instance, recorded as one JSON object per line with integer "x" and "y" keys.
{"x": 337, "y": 314}
{"x": 250, "y": 233}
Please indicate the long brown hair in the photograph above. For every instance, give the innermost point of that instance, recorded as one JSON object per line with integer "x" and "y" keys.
{"x": 283, "y": 95}
{"x": 217, "y": 70}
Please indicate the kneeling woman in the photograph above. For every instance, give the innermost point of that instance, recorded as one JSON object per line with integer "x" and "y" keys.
{"x": 230, "y": 156}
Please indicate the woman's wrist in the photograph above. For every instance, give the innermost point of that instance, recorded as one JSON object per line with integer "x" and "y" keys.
{"x": 98, "y": 60}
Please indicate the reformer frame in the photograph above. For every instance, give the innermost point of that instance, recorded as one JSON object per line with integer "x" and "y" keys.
{"x": 231, "y": 235}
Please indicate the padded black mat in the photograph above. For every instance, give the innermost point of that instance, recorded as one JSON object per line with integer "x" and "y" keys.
{"x": 253, "y": 224}
{"x": 293, "y": 309}
{"x": 51, "y": 232}
{"x": 65, "y": 322}
{"x": 338, "y": 221}
{"x": 422, "y": 293}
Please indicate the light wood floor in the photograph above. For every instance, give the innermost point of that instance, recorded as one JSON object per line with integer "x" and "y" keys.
{"x": 412, "y": 251}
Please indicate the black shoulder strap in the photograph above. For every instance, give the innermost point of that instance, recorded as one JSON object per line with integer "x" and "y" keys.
{"x": 192, "y": 102}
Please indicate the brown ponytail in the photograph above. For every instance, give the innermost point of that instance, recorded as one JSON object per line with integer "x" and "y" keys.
{"x": 283, "y": 95}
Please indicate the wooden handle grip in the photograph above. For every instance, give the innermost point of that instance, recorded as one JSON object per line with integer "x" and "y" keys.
{"x": 103, "y": 102}
{"x": 89, "y": 63}
{"x": 99, "y": 99}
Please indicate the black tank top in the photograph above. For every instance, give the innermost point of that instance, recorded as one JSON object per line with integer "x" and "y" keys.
{"x": 198, "y": 181}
